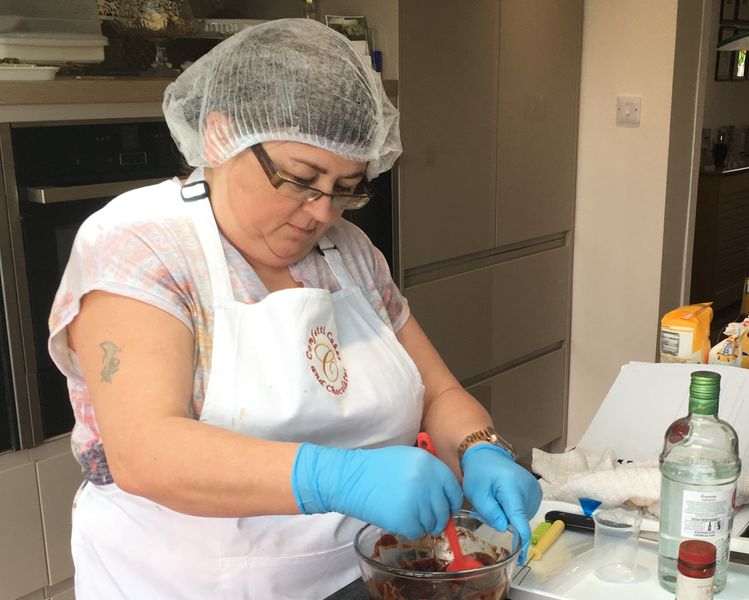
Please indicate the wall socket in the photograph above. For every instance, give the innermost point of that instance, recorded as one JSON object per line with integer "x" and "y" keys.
{"x": 628, "y": 110}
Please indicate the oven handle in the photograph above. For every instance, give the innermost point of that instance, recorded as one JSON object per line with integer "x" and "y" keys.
{"x": 53, "y": 195}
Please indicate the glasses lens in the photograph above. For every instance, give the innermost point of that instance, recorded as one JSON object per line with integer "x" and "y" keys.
{"x": 362, "y": 195}
{"x": 302, "y": 193}
{"x": 297, "y": 191}
{"x": 349, "y": 203}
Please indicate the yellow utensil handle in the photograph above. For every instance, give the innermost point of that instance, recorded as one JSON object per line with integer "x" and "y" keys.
{"x": 539, "y": 531}
{"x": 547, "y": 539}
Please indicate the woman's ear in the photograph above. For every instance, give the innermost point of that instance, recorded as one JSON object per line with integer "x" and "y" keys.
{"x": 217, "y": 136}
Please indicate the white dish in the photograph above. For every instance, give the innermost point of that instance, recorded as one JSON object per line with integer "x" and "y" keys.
{"x": 26, "y": 72}
{"x": 53, "y": 48}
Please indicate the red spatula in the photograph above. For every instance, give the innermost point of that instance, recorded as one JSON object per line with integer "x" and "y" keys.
{"x": 461, "y": 562}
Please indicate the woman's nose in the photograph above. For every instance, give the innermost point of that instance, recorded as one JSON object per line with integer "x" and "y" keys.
{"x": 322, "y": 209}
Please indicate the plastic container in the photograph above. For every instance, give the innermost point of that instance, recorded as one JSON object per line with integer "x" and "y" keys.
{"x": 386, "y": 577}
{"x": 52, "y": 48}
{"x": 616, "y": 542}
{"x": 685, "y": 334}
{"x": 26, "y": 73}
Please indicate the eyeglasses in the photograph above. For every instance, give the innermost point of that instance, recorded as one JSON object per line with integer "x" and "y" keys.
{"x": 294, "y": 190}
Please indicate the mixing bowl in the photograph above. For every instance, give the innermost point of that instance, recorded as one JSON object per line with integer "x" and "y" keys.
{"x": 397, "y": 568}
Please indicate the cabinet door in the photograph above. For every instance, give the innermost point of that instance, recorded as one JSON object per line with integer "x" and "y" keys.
{"x": 527, "y": 402}
{"x": 66, "y": 595}
{"x": 482, "y": 319}
{"x": 731, "y": 240}
{"x": 448, "y": 103}
{"x": 539, "y": 78}
{"x": 59, "y": 479}
{"x": 22, "y": 566}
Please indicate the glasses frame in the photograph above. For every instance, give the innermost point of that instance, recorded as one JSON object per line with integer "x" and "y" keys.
{"x": 276, "y": 179}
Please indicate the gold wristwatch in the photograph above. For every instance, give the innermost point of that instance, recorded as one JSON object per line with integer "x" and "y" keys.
{"x": 488, "y": 435}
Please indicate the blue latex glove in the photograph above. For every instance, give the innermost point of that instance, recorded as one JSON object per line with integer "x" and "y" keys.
{"x": 501, "y": 490}
{"x": 402, "y": 489}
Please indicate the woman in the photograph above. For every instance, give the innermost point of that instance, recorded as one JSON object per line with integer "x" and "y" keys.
{"x": 246, "y": 378}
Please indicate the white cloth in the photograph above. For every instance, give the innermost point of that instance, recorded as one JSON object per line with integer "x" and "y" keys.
{"x": 301, "y": 365}
{"x": 581, "y": 474}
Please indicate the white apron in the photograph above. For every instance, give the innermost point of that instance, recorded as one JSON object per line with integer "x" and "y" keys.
{"x": 301, "y": 365}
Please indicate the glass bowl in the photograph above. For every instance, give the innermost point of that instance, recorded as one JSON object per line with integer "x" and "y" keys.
{"x": 397, "y": 568}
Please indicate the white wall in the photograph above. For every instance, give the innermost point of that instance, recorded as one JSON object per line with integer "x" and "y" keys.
{"x": 628, "y": 49}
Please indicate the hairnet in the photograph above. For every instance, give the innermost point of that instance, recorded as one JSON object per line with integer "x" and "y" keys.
{"x": 288, "y": 79}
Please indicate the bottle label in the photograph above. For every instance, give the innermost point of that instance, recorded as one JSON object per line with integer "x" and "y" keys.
{"x": 706, "y": 514}
{"x": 690, "y": 588}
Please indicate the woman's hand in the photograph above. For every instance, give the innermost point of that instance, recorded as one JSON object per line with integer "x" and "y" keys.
{"x": 501, "y": 490}
{"x": 402, "y": 489}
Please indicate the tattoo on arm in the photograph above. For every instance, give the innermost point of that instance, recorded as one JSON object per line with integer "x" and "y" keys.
{"x": 110, "y": 360}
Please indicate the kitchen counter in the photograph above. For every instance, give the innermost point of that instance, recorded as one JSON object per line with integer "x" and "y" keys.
{"x": 85, "y": 98}
{"x": 70, "y": 99}
{"x": 551, "y": 570}
{"x": 353, "y": 591}
{"x": 726, "y": 171}
{"x": 89, "y": 90}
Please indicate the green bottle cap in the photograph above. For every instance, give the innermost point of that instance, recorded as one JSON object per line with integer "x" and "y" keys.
{"x": 704, "y": 392}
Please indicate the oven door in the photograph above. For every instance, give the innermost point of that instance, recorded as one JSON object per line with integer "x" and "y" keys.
{"x": 9, "y": 423}
{"x": 8, "y": 420}
{"x": 50, "y": 218}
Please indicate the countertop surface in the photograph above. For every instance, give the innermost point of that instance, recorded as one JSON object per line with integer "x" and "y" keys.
{"x": 88, "y": 90}
{"x": 353, "y": 591}
{"x": 727, "y": 171}
{"x": 89, "y": 98}
{"x": 83, "y": 90}
{"x": 558, "y": 576}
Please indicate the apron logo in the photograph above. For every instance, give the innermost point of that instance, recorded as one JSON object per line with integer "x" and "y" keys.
{"x": 325, "y": 358}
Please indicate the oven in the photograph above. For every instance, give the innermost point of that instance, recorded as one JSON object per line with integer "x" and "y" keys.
{"x": 8, "y": 317}
{"x": 55, "y": 175}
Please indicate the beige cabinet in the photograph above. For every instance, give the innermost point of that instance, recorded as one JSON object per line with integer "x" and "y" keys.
{"x": 488, "y": 93}
{"x": 539, "y": 66}
{"x": 37, "y": 488}
{"x": 22, "y": 563}
{"x": 526, "y": 401}
{"x": 484, "y": 319}
{"x": 447, "y": 93}
{"x": 58, "y": 476}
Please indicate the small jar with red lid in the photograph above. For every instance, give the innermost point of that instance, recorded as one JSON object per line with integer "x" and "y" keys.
{"x": 695, "y": 570}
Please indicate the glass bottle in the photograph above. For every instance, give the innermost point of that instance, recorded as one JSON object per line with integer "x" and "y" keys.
{"x": 720, "y": 151}
{"x": 699, "y": 468}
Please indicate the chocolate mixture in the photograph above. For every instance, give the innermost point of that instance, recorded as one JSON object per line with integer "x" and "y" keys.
{"x": 489, "y": 586}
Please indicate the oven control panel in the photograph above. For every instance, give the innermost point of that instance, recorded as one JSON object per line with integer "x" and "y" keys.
{"x": 75, "y": 154}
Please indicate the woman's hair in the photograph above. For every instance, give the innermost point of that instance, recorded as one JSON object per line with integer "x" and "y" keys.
{"x": 288, "y": 79}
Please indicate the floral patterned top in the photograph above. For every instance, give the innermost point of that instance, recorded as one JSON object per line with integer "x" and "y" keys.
{"x": 143, "y": 245}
